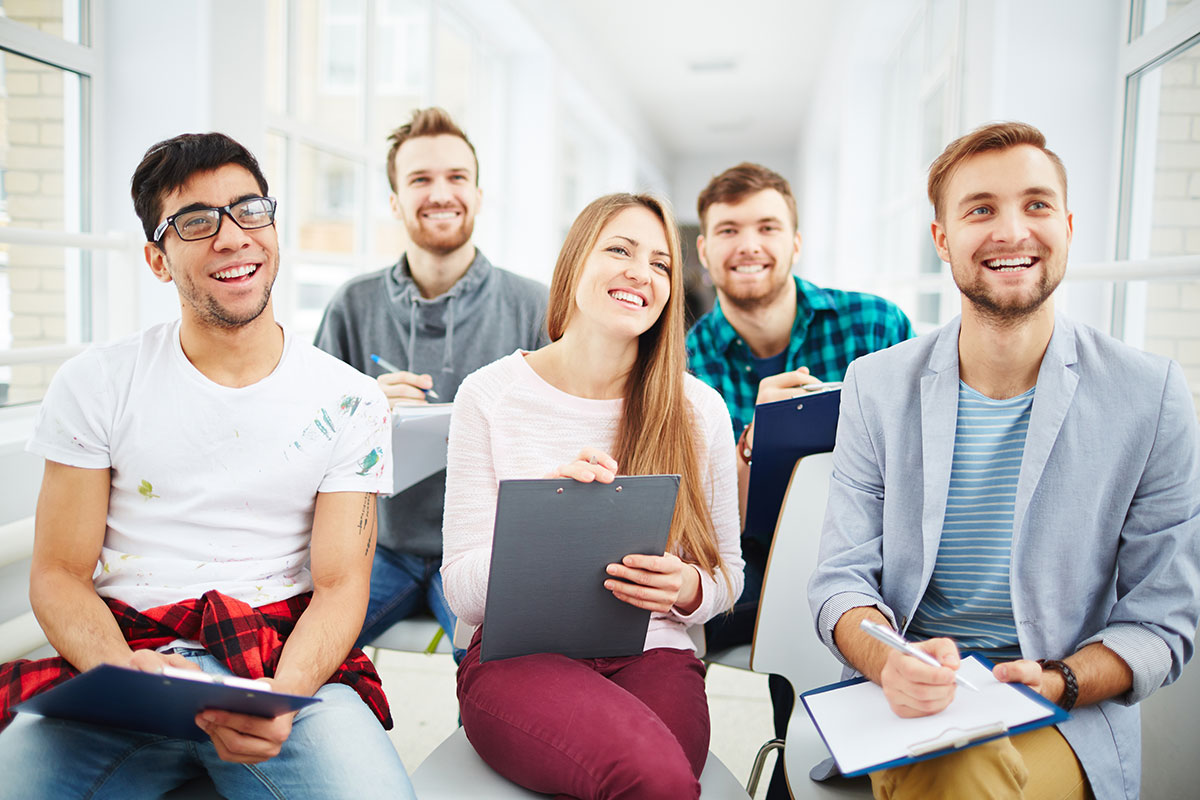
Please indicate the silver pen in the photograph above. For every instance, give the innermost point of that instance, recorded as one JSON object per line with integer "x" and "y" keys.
{"x": 885, "y": 634}
{"x": 390, "y": 367}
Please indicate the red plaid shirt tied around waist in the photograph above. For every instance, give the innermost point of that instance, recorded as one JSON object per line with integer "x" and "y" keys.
{"x": 246, "y": 640}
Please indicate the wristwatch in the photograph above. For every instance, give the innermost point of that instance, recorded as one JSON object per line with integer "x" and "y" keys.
{"x": 1071, "y": 683}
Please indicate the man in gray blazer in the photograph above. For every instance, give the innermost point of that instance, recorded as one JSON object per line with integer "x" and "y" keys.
{"x": 1018, "y": 484}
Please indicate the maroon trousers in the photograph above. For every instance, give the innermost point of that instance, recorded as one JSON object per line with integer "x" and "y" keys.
{"x": 594, "y": 729}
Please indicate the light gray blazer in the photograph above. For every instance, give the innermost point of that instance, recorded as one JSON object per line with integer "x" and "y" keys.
{"x": 1106, "y": 531}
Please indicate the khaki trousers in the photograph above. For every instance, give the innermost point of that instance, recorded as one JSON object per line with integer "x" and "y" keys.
{"x": 1038, "y": 765}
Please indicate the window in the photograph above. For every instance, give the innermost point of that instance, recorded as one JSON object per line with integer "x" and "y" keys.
{"x": 340, "y": 36}
{"x": 920, "y": 114}
{"x": 1159, "y": 221}
{"x": 49, "y": 262}
{"x": 327, "y": 133}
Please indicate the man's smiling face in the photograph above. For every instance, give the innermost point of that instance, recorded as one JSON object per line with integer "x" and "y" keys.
{"x": 224, "y": 281}
{"x": 1005, "y": 231}
{"x": 749, "y": 248}
{"x": 436, "y": 194}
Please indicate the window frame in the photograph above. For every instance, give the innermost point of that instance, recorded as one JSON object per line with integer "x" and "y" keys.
{"x": 1139, "y": 54}
{"x": 82, "y": 60}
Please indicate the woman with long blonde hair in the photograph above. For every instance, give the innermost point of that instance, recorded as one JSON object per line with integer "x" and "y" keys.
{"x": 608, "y": 396}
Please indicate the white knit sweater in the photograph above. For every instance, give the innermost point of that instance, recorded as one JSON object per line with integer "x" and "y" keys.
{"x": 510, "y": 423}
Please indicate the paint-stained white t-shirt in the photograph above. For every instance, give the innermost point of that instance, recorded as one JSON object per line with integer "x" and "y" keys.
{"x": 212, "y": 487}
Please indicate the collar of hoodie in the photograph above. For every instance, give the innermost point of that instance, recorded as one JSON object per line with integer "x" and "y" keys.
{"x": 406, "y": 297}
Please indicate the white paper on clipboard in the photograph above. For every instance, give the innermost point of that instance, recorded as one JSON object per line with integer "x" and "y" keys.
{"x": 863, "y": 734}
{"x": 419, "y": 434}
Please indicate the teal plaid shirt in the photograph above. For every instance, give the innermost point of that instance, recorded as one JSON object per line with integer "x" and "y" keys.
{"x": 832, "y": 328}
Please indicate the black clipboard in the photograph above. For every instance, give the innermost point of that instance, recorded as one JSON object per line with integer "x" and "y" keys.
{"x": 784, "y": 432}
{"x": 160, "y": 703}
{"x": 552, "y": 541}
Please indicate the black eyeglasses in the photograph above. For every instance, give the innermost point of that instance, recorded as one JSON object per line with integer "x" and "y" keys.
{"x": 201, "y": 223}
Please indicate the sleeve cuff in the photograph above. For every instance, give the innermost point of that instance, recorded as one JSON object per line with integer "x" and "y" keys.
{"x": 1145, "y": 652}
{"x": 703, "y": 611}
{"x": 839, "y": 604}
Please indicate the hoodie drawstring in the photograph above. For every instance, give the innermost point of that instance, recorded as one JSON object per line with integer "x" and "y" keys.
{"x": 412, "y": 333}
{"x": 448, "y": 353}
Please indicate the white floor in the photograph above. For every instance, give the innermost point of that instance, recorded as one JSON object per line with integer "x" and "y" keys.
{"x": 420, "y": 689}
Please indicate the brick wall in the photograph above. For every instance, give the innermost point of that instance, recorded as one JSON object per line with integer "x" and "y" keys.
{"x": 31, "y": 154}
{"x": 1173, "y": 307}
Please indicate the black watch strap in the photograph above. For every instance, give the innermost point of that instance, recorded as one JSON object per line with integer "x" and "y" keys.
{"x": 1071, "y": 683}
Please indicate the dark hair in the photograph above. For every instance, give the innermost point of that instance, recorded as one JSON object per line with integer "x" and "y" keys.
{"x": 172, "y": 162}
{"x": 431, "y": 121}
{"x": 736, "y": 183}
{"x": 997, "y": 136}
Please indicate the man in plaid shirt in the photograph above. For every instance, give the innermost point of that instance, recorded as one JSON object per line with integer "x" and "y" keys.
{"x": 208, "y": 503}
{"x": 769, "y": 333}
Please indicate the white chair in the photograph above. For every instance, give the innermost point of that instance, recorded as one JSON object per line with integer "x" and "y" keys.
{"x": 1170, "y": 731}
{"x": 454, "y": 771}
{"x": 785, "y": 642}
{"x": 20, "y": 634}
{"x": 413, "y": 634}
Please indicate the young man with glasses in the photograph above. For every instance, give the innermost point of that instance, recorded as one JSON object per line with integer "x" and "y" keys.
{"x": 439, "y": 313}
{"x": 208, "y": 503}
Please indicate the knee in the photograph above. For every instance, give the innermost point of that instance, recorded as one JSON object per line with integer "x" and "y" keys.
{"x": 990, "y": 770}
{"x": 651, "y": 775}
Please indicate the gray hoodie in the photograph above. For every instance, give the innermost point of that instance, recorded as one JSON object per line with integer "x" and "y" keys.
{"x": 488, "y": 314}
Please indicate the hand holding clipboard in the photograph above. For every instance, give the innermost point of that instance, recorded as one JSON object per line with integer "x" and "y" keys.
{"x": 653, "y": 582}
{"x": 553, "y": 544}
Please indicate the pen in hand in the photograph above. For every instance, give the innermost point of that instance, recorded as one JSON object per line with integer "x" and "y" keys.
{"x": 390, "y": 367}
{"x": 885, "y": 634}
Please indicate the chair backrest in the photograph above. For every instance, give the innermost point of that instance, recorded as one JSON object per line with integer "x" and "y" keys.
{"x": 20, "y": 634}
{"x": 785, "y": 640}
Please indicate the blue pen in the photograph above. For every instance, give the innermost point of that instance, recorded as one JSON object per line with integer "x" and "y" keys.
{"x": 390, "y": 367}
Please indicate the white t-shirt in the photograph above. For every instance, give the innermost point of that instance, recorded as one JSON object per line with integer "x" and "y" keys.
{"x": 212, "y": 487}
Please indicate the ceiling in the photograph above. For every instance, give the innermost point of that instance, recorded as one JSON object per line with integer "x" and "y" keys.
{"x": 706, "y": 76}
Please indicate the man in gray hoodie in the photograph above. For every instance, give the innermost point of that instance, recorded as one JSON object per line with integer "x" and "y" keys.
{"x": 441, "y": 312}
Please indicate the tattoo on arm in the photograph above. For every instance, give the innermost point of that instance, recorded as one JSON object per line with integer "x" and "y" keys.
{"x": 364, "y": 520}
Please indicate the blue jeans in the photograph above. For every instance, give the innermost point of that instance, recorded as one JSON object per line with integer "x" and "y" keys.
{"x": 337, "y": 749}
{"x": 399, "y": 584}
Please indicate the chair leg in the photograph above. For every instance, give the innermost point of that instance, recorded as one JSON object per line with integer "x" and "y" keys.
{"x": 760, "y": 761}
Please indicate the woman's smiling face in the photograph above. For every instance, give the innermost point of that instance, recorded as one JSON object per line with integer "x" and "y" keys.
{"x": 626, "y": 279}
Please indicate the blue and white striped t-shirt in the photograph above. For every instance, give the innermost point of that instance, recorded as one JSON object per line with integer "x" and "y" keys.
{"x": 969, "y": 597}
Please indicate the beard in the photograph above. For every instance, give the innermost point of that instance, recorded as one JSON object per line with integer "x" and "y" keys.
{"x": 211, "y": 312}
{"x": 438, "y": 242}
{"x": 747, "y": 298}
{"x": 1009, "y": 308}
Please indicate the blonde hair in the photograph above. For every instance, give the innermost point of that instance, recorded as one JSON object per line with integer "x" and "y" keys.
{"x": 656, "y": 433}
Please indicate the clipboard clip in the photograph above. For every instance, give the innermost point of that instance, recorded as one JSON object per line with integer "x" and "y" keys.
{"x": 956, "y": 738}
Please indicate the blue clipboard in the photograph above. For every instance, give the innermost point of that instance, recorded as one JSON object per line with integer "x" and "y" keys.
{"x": 160, "y": 703}
{"x": 922, "y": 749}
{"x": 784, "y": 432}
